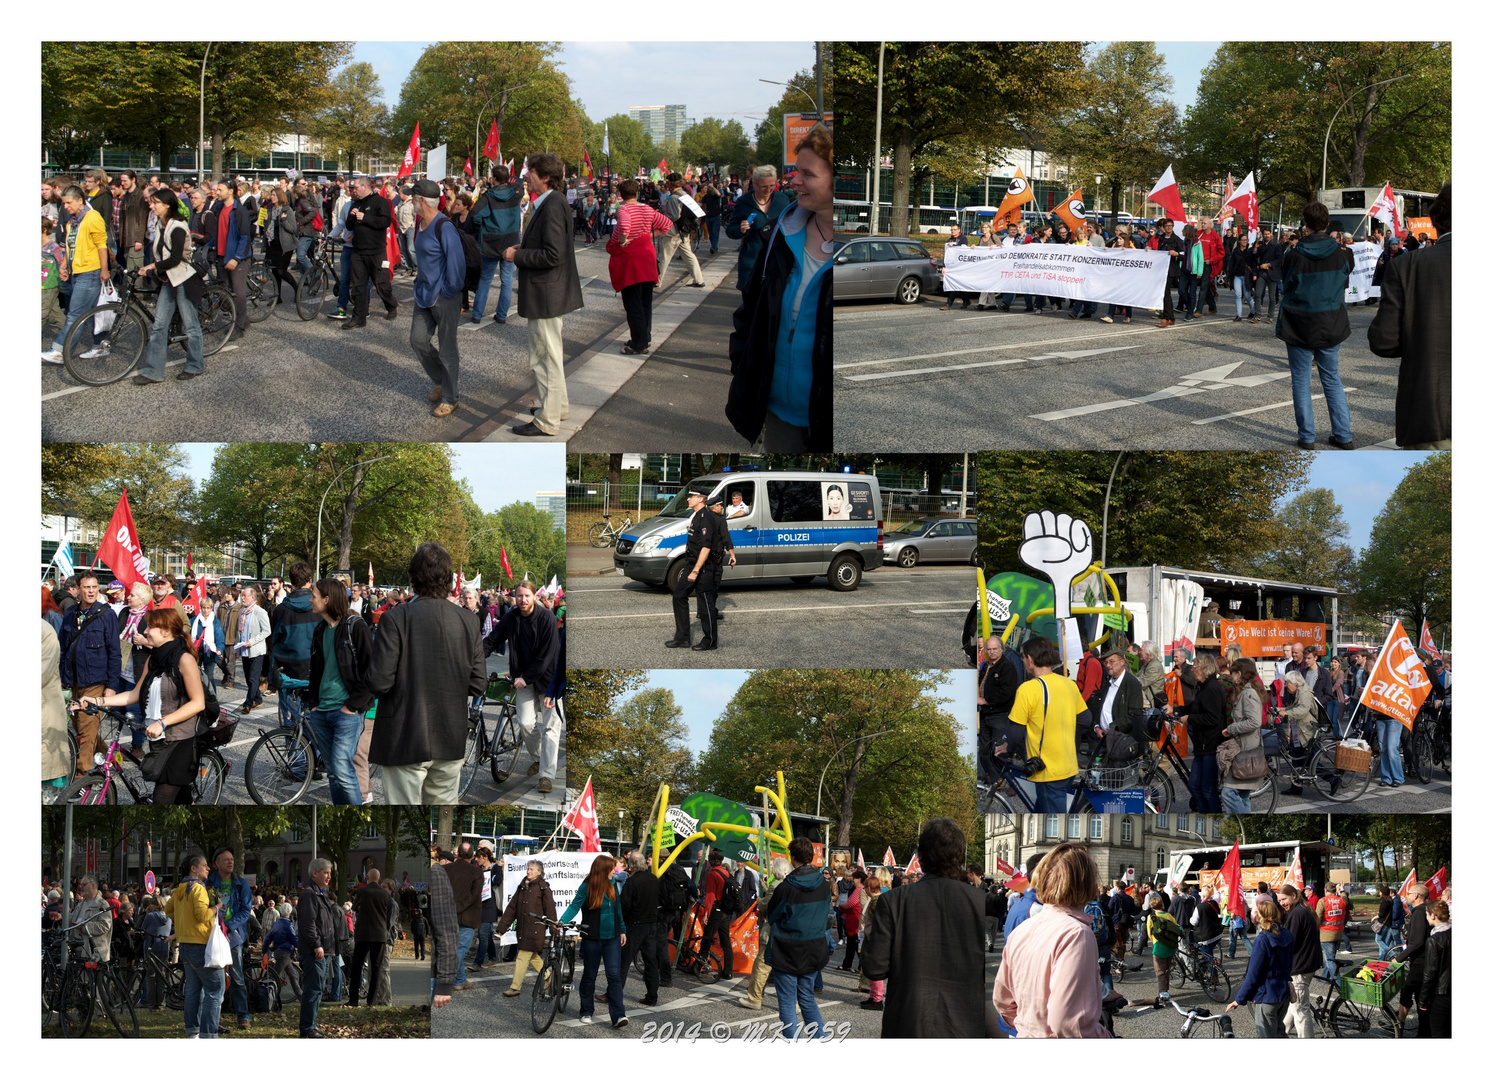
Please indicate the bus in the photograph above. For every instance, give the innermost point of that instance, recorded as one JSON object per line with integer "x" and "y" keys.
{"x": 854, "y": 216}
{"x": 1269, "y": 863}
{"x": 1348, "y": 208}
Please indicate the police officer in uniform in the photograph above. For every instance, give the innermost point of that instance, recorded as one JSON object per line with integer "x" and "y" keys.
{"x": 703, "y": 556}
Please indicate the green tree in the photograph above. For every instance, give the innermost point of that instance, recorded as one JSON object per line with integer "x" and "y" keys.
{"x": 1308, "y": 543}
{"x": 648, "y": 749}
{"x": 69, "y": 469}
{"x": 354, "y": 123}
{"x": 534, "y": 544}
{"x": 927, "y": 96}
{"x": 797, "y": 97}
{"x": 1406, "y": 569}
{"x": 246, "y": 497}
{"x": 162, "y": 499}
{"x": 1124, "y": 123}
{"x": 1200, "y": 511}
{"x": 888, "y": 752}
{"x": 592, "y": 697}
{"x": 719, "y": 142}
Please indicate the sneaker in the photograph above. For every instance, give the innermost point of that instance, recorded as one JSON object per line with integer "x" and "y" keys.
{"x": 1105, "y": 319}
{"x": 338, "y": 314}
{"x": 622, "y": 1023}
{"x": 587, "y": 1020}
{"x": 96, "y": 352}
{"x": 51, "y": 356}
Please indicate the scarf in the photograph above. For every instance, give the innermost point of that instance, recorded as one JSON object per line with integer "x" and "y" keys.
{"x": 164, "y": 658}
{"x": 131, "y": 624}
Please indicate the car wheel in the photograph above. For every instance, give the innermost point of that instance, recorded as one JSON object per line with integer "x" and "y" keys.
{"x": 844, "y": 573}
{"x": 676, "y": 571}
{"x": 972, "y": 561}
{"x": 907, "y": 557}
{"x": 909, "y": 291}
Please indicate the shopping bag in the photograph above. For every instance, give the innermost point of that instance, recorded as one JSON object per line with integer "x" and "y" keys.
{"x": 103, "y": 322}
{"x": 218, "y": 955}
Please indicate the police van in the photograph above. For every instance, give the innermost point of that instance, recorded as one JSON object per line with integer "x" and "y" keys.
{"x": 797, "y": 525}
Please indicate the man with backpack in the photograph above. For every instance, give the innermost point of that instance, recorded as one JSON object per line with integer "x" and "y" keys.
{"x": 675, "y": 895}
{"x": 443, "y": 262}
{"x": 499, "y": 205}
{"x": 1102, "y": 924}
{"x": 721, "y": 903}
{"x": 308, "y": 224}
{"x": 682, "y": 239}
{"x": 292, "y": 626}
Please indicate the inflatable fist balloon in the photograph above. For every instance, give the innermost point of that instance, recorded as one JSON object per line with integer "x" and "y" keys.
{"x": 1061, "y": 547}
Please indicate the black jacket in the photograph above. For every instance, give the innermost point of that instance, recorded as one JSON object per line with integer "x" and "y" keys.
{"x": 998, "y": 684}
{"x": 368, "y": 234}
{"x": 371, "y": 905}
{"x": 1306, "y": 939}
{"x": 549, "y": 285}
{"x": 535, "y": 641}
{"x": 640, "y": 899}
{"x": 1172, "y": 243}
{"x": 1437, "y": 978}
{"x": 1414, "y": 323}
{"x": 353, "y": 643}
{"x": 753, "y": 348}
{"x": 1271, "y": 252}
{"x": 1128, "y": 706}
{"x": 1417, "y": 929}
{"x": 1206, "y": 718}
{"x": 317, "y": 915}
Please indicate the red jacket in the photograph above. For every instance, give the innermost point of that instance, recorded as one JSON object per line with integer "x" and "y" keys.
{"x": 1212, "y": 251}
{"x": 638, "y": 261}
{"x": 715, "y": 880}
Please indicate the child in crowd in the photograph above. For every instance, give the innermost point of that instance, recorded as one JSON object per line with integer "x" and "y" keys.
{"x": 54, "y": 272}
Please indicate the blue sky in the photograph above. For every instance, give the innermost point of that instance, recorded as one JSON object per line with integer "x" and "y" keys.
{"x": 713, "y": 78}
{"x": 1362, "y": 482}
{"x": 1185, "y": 61}
{"x": 703, "y": 696}
{"x": 498, "y": 475}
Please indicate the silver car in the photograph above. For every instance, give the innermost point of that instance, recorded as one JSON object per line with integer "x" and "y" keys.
{"x": 931, "y": 540}
{"x": 876, "y": 267}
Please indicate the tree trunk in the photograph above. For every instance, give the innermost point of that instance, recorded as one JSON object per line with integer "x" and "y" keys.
{"x": 445, "y": 826}
{"x": 901, "y": 138}
{"x": 1114, "y": 206}
{"x": 217, "y": 155}
{"x": 233, "y": 826}
{"x": 391, "y": 838}
{"x": 614, "y": 470}
{"x": 349, "y": 515}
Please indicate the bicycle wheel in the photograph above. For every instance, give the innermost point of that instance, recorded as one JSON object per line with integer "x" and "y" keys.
{"x": 90, "y": 790}
{"x": 600, "y": 535}
{"x": 1158, "y": 792}
{"x": 1350, "y": 1019}
{"x": 476, "y": 751}
{"x": 278, "y": 768}
{"x": 1268, "y": 789}
{"x": 1215, "y": 981}
{"x": 207, "y": 788}
{"x": 114, "y": 352}
{"x": 75, "y": 1002}
{"x": 175, "y": 989}
{"x": 310, "y": 291}
{"x": 700, "y": 968}
{"x": 218, "y": 314}
{"x": 544, "y": 999}
{"x": 996, "y": 803}
{"x": 567, "y": 977}
{"x": 1180, "y": 970}
{"x": 1423, "y": 753}
{"x": 262, "y": 293}
{"x": 119, "y": 1004}
{"x": 1332, "y": 783}
{"x": 507, "y": 742}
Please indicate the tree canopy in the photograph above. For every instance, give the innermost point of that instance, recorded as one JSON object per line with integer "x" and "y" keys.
{"x": 1407, "y": 566}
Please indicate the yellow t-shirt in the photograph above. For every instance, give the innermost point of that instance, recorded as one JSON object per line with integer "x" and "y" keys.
{"x": 1058, "y": 751}
{"x": 92, "y": 234}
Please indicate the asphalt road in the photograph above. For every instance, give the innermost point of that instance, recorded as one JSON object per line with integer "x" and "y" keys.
{"x": 295, "y": 381}
{"x": 917, "y": 379}
{"x": 896, "y": 618}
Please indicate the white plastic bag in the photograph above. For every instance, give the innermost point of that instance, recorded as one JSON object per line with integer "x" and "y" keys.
{"x": 218, "y": 955}
{"x": 103, "y": 322}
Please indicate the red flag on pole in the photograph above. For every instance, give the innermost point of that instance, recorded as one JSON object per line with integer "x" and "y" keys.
{"x": 1168, "y": 196}
{"x": 1230, "y": 877}
{"x": 1247, "y": 203}
{"x": 1427, "y": 642}
{"x": 411, "y": 155}
{"x": 194, "y": 602}
{"x": 663, "y": 166}
{"x": 503, "y": 557}
{"x": 120, "y": 547}
{"x": 586, "y": 165}
{"x": 493, "y": 148}
{"x": 1005, "y": 867}
{"x": 1436, "y": 884}
{"x": 860, "y": 858}
{"x": 467, "y": 168}
{"x": 582, "y": 820}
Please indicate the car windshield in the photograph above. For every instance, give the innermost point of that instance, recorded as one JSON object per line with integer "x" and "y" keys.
{"x": 911, "y": 527}
{"x": 678, "y": 506}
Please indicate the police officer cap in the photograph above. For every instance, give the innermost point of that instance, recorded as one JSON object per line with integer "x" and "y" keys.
{"x": 702, "y": 490}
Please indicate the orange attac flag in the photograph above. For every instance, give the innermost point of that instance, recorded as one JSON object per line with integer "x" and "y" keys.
{"x": 913, "y": 866}
{"x": 1072, "y": 211}
{"x": 1427, "y": 642}
{"x": 887, "y": 859}
{"x": 1398, "y": 683}
{"x": 1408, "y": 885}
{"x": 1018, "y": 194}
{"x": 1294, "y": 875}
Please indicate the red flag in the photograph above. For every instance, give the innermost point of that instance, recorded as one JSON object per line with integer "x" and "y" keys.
{"x": 503, "y": 556}
{"x": 456, "y": 589}
{"x": 120, "y": 547}
{"x": 1168, "y": 196}
{"x": 860, "y": 859}
{"x": 412, "y": 155}
{"x": 913, "y": 866}
{"x": 1018, "y": 884}
{"x": 189, "y": 565}
{"x": 1229, "y": 880}
{"x": 1005, "y": 867}
{"x": 663, "y": 166}
{"x": 1294, "y": 875}
{"x": 586, "y": 165}
{"x": 1408, "y": 885}
{"x": 467, "y": 168}
{"x": 194, "y": 602}
{"x": 582, "y": 820}
{"x": 1427, "y": 642}
{"x": 1247, "y": 203}
{"x": 493, "y": 148}
{"x": 1436, "y": 884}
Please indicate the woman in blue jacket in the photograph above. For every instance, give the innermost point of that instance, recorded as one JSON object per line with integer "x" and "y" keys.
{"x": 604, "y": 935}
{"x": 1267, "y": 983}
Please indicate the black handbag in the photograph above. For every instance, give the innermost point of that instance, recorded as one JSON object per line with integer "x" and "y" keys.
{"x": 153, "y": 765}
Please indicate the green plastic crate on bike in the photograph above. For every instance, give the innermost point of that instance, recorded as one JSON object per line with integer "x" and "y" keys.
{"x": 1371, "y": 993}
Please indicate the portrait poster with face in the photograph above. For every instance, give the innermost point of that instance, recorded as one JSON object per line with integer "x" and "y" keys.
{"x": 847, "y": 501}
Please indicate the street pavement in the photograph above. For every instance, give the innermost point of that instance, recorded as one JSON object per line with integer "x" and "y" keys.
{"x": 896, "y": 618}
{"x": 289, "y": 380}
{"x": 918, "y": 379}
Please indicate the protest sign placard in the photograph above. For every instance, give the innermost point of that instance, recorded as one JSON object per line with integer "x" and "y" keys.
{"x": 1114, "y": 276}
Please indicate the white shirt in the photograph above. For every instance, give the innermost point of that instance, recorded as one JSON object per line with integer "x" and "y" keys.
{"x": 1105, "y": 719}
{"x": 738, "y": 510}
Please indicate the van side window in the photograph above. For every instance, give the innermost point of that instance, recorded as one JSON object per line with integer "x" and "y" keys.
{"x": 794, "y": 500}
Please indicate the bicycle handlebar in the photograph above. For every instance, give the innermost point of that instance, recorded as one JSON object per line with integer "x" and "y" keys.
{"x": 114, "y": 711}
{"x": 1196, "y": 1014}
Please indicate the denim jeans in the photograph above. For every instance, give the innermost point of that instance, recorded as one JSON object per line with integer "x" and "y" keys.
{"x": 487, "y": 948}
{"x": 336, "y": 734}
{"x": 1334, "y": 708}
{"x": 313, "y": 979}
{"x": 202, "y": 991}
{"x": 1105, "y": 978}
{"x": 1332, "y": 389}
{"x": 442, "y": 365}
{"x": 1329, "y": 959}
{"x": 1391, "y": 768}
{"x": 464, "y": 936}
{"x": 86, "y": 287}
{"x": 1387, "y": 940}
{"x": 1205, "y": 783}
{"x": 1233, "y": 800}
{"x": 1237, "y": 934}
{"x": 713, "y": 227}
{"x": 168, "y": 301}
{"x": 209, "y": 667}
{"x": 797, "y": 990}
{"x": 1264, "y": 288}
{"x": 484, "y": 282}
{"x": 236, "y": 990}
{"x": 344, "y": 287}
{"x": 335, "y": 971}
{"x": 1052, "y": 795}
{"x": 1241, "y": 295}
{"x": 1190, "y": 285}
{"x": 303, "y": 253}
{"x": 605, "y": 953}
{"x": 252, "y": 667}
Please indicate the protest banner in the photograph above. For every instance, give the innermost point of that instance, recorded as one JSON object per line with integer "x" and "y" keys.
{"x": 564, "y": 870}
{"x": 1421, "y": 226}
{"x": 1118, "y": 276}
{"x": 1267, "y": 637}
{"x": 1361, "y": 282}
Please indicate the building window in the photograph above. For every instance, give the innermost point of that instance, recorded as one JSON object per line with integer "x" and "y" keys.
{"x": 1031, "y": 828}
{"x": 1075, "y": 827}
{"x": 1127, "y": 832}
{"x": 1005, "y": 821}
{"x": 370, "y": 831}
{"x": 1161, "y": 858}
{"x": 1052, "y": 832}
{"x": 1161, "y": 821}
{"x": 297, "y": 834}
{"x": 1217, "y": 829}
{"x": 1181, "y": 822}
{"x": 1096, "y": 826}
{"x": 1202, "y": 828}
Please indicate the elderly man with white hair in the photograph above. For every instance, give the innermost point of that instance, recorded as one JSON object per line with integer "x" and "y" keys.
{"x": 438, "y": 288}
{"x": 1152, "y": 676}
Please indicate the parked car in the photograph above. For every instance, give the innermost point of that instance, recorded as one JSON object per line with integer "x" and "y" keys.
{"x": 934, "y": 539}
{"x": 876, "y": 267}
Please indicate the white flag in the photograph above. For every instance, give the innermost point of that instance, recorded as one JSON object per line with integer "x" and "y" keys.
{"x": 1385, "y": 210}
{"x": 606, "y": 140}
{"x": 435, "y": 164}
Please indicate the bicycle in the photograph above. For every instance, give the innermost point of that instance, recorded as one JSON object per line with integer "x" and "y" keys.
{"x": 101, "y": 786}
{"x": 1198, "y": 1020}
{"x": 605, "y": 534}
{"x": 87, "y": 983}
{"x": 1190, "y": 963}
{"x": 118, "y": 350}
{"x": 1344, "y": 1017}
{"x": 552, "y": 988}
{"x": 500, "y": 749}
{"x": 281, "y": 764}
{"x": 168, "y": 978}
{"x": 1093, "y": 785}
{"x": 319, "y": 278}
{"x": 1431, "y": 742}
{"x": 704, "y": 966}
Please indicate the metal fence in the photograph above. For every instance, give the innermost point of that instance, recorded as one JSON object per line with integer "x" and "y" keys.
{"x": 588, "y": 503}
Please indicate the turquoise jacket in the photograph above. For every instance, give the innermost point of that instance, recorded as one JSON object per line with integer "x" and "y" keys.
{"x": 793, "y": 375}
{"x": 611, "y": 913}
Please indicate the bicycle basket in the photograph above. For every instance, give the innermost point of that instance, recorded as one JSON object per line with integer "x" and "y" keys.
{"x": 1372, "y": 993}
{"x": 1114, "y": 777}
{"x": 220, "y": 733}
{"x": 1353, "y": 758}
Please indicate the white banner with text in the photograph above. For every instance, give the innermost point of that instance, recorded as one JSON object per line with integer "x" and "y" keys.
{"x": 1113, "y": 276}
{"x": 564, "y": 870}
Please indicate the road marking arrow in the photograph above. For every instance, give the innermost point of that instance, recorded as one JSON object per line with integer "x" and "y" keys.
{"x": 1199, "y": 382}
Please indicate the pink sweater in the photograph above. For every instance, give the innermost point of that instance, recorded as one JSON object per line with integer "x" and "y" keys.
{"x": 1048, "y": 984}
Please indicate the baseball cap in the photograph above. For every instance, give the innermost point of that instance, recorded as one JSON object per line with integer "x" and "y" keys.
{"x": 427, "y": 189}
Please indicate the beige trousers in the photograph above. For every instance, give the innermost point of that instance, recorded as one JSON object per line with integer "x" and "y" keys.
{"x": 547, "y": 358}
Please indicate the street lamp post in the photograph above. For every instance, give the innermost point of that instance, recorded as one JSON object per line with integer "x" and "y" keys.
{"x": 793, "y": 86}
{"x": 1340, "y": 108}
{"x": 323, "y": 504}
{"x": 876, "y": 150}
{"x": 864, "y": 738}
{"x": 201, "y": 110}
{"x": 1104, "y": 536}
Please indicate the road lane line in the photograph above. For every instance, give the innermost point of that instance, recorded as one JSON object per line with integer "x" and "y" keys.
{"x": 1040, "y": 344}
{"x": 933, "y": 370}
{"x": 756, "y": 611}
{"x": 1262, "y": 408}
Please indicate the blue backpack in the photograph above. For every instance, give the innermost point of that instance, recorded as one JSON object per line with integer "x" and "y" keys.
{"x": 1099, "y": 922}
